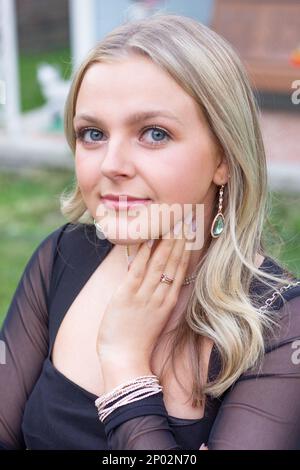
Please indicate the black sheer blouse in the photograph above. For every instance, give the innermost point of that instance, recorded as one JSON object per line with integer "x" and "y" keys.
{"x": 40, "y": 408}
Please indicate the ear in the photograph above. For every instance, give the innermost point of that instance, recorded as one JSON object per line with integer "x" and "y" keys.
{"x": 221, "y": 174}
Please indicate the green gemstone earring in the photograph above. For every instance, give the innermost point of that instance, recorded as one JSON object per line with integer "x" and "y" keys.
{"x": 218, "y": 223}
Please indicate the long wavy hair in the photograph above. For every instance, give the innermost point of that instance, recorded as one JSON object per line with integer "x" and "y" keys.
{"x": 220, "y": 307}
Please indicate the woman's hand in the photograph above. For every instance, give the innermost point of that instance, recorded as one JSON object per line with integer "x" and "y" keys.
{"x": 140, "y": 308}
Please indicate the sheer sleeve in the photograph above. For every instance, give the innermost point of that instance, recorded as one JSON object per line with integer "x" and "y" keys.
{"x": 24, "y": 341}
{"x": 262, "y": 409}
{"x": 141, "y": 425}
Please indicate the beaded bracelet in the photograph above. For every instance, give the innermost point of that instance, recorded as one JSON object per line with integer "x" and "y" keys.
{"x": 135, "y": 389}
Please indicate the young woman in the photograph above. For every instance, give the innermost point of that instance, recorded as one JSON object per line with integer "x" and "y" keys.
{"x": 186, "y": 346}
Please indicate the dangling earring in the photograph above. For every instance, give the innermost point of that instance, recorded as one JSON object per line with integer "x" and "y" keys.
{"x": 218, "y": 223}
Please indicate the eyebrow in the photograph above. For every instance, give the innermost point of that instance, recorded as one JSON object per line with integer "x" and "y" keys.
{"x": 134, "y": 118}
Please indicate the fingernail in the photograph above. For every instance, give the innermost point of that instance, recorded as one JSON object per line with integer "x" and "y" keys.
{"x": 150, "y": 243}
{"x": 130, "y": 259}
{"x": 188, "y": 218}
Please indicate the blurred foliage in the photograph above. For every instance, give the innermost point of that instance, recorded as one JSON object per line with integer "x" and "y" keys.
{"x": 31, "y": 96}
{"x": 29, "y": 211}
{"x": 282, "y": 229}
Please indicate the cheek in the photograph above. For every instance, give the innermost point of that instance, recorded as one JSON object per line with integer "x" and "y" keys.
{"x": 87, "y": 171}
{"x": 189, "y": 177}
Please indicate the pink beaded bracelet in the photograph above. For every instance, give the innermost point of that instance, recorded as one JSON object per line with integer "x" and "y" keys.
{"x": 135, "y": 389}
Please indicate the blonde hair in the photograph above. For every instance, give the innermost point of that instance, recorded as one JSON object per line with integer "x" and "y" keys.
{"x": 220, "y": 307}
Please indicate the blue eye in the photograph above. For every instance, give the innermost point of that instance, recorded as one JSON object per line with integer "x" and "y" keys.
{"x": 91, "y": 135}
{"x": 156, "y": 133}
{"x": 88, "y": 135}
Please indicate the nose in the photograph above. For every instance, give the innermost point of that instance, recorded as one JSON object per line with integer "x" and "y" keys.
{"x": 117, "y": 160}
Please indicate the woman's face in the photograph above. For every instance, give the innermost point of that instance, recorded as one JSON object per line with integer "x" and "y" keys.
{"x": 118, "y": 151}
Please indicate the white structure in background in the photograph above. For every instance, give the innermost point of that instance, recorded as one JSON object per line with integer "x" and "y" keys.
{"x": 35, "y": 147}
{"x": 91, "y": 20}
{"x": 54, "y": 90}
{"x": 10, "y": 110}
{"x": 82, "y": 28}
{"x": 140, "y": 9}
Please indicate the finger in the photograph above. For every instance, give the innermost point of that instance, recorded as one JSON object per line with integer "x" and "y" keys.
{"x": 158, "y": 261}
{"x": 139, "y": 266}
{"x": 156, "y": 267}
{"x": 145, "y": 273}
{"x": 165, "y": 263}
{"x": 175, "y": 269}
{"x": 181, "y": 270}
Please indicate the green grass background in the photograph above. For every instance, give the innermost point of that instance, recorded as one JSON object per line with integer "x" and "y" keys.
{"x": 29, "y": 210}
{"x": 31, "y": 96}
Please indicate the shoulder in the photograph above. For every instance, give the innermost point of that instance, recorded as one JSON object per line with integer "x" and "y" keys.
{"x": 266, "y": 294}
{"x": 45, "y": 250}
{"x": 40, "y": 262}
{"x": 288, "y": 318}
{"x": 285, "y": 296}
{"x": 79, "y": 239}
{"x": 69, "y": 235}
{"x": 74, "y": 248}
{"x": 282, "y": 345}
{"x": 59, "y": 242}
{"x": 281, "y": 301}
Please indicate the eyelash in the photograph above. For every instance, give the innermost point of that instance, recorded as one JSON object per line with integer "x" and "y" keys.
{"x": 79, "y": 134}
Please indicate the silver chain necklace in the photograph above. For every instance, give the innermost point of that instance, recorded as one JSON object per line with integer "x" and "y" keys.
{"x": 267, "y": 303}
{"x": 275, "y": 295}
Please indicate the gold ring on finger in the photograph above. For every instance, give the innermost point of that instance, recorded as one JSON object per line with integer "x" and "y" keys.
{"x": 166, "y": 279}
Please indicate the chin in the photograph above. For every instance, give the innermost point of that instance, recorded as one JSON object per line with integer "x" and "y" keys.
{"x": 122, "y": 229}
{"x": 126, "y": 241}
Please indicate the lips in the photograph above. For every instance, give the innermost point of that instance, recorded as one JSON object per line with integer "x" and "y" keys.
{"x": 124, "y": 202}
